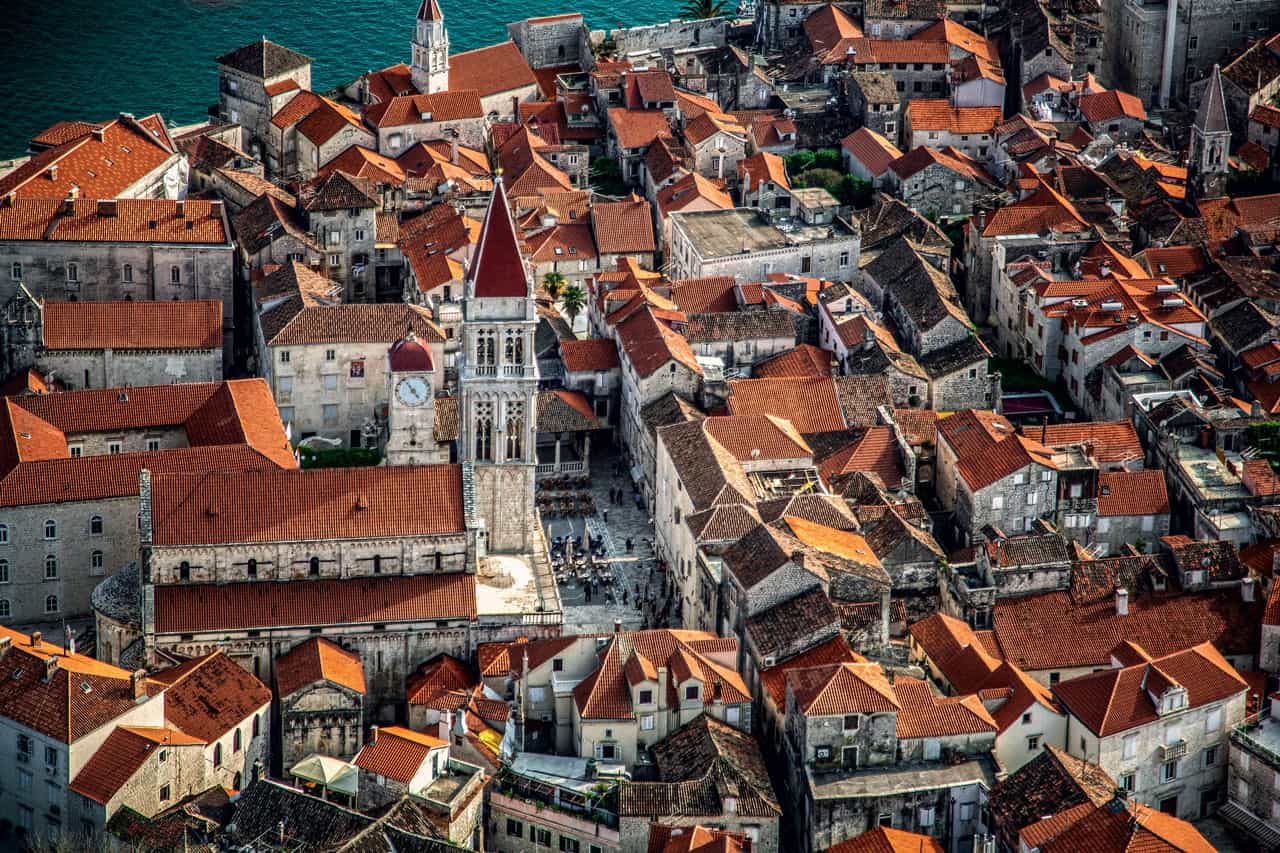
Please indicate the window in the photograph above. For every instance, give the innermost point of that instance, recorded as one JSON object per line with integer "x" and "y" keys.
{"x": 73, "y": 272}
{"x": 4, "y": 571}
{"x": 50, "y": 568}
{"x": 24, "y": 780}
{"x": 607, "y": 751}
{"x": 1213, "y": 722}
{"x": 541, "y": 836}
{"x": 357, "y": 368}
{"x": 997, "y": 502}
{"x": 313, "y": 567}
{"x": 885, "y": 819}
{"x": 235, "y": 741}
{"x": 330, "y": 412}
{"x": 359, "y": 234}
{"x": 284, "y": 356}
{"x": 568, "y": 845}
{"x": 217, "y": 755}
{"x": 95, "y": 525}
{"x": 646, "y": 697}
{"x": 1210, "y": 756}
{"x": 95, "y": 563}
{"x": 1026, "y": 719}
{"x": 691, "y": 693}
{"x": 1033, "y": 498}
{"x": 50, "y": 529}
{"x": 335, "y": 260}
{"x": 184, "y": 571}
{"x": 1128, "y": 781}
{"x": 51, "y": 758}
{"x": 251, "y": 568}
{"x": 114, "y": 447}
{"x": 1054, "y": 678}
{"x": 377, "y": 564}
{"x": 851, "y": 722}
{"x": 515, "y": 829}
{"x": 932, "y": 749}
{"x": 15, "y": 272}
{"x": 646, "y": 722}
{"x": 4, "y": 534}
{"x": 51, "y": 604}
{"x": 1169, "y": 771}
{"x": 844, "y": 259}
{"x": 330, "y": 355}
{"x": 1033, "y": 743}
{"x": 331, "y": 382}
{"x": 175, "y": 274}
{"x": 1019, "y": 478}
{"x": 153, "y": 444}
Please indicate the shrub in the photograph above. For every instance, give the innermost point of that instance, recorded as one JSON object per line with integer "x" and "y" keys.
{"x": 339, "y": 457}
{"x": 828, "y": 158}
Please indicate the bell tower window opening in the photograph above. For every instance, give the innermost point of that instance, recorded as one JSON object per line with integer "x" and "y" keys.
{"x": 484, "y": 432}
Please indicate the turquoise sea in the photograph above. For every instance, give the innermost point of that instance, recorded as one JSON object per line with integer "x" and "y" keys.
{"x": 91, "y": 59}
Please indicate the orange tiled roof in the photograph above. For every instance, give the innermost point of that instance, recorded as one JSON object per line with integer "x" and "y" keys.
{"x": 105, "y": 161}
{"x": 1116, "y": 700}
{"x": 589, "y": 354}
{"x": 267, "y": 506}
{"x": 871, "y": 51}
{"x": 987, "y": 448}
{"x": 695, "y": 839}
{"x": 453, "y": 105}
{"x": 1110, "y": 105}
{"x": 925, "y": 714}
{"x": 811, "y": 403}
{"x": 750, "y": 437}
{"x": 188, "y": 608}
{"x": 442, "y": 674}
{"x": 693, "y": 187}
{"x": 396, "y": 752}
{"x": 126, "y": 220}
{"x": 884, "y": 839}
{"x": 958, "y": 36}
{"x": 209, "y": 696}
{"x": 1112, "y": 441}
{"x": 133, "y": 325}
{"x": 1103, "y": 829}
{"x": 875, "y": 451}
{"x": 120, "y": 756}
{"x": 938, "y": 114}
{"x": 833, "y": 651}
{"x": 651, "y": 344}
{"x": 491, "y": 70}
{"x": 1132, "y": 493}
{"x": 871, "y": 150}
{"x": 623, "y": 227}
{"x": 318, "y": 659}
{"x": 804, "y": 361}
{"x": 842, "y": 688}
{"x": 638, "y": 128}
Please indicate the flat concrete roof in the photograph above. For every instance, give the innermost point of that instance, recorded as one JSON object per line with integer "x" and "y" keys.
{"x": 742, "y": 230}
{"x": 902, "y": 779}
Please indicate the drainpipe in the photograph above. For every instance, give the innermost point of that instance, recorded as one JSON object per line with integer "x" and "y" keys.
{"x": 1166, "y": 66}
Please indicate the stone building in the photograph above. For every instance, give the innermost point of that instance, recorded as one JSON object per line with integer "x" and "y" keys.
{"x": 320, "y": 690}
{"x": 271, "y": 231}
{"x": 341, "y": 213}
{"x": 394, "y": 589}
{"x": 551, "y": 40}
{"x": 1168, "y": 749}
{"x": 113, "y": 344}
{"x": 254, "y": 83}
{"x": 104, "y": 250}
{"x": 920, "y": 69}
{"x": 937, "y": 124}
{"x": 1253, "y": 777}
{"x": 874, "y": 101}
{"x": 403, "y": 121}
{"x": 398, "y": 761}
{"x": 326, "y": 362}
{"x": 940, "y": 183}
{"x": 69, "y": 490}
{"x": 415, "y": 433}
{"x": 551, "y": 800}
{"x": 1133, "y": 506}
{"x": 750, "y": 244}
{"x": 429, "y": 70}
{"x": 707, "y": 772}
{"x": 309, "y": 131}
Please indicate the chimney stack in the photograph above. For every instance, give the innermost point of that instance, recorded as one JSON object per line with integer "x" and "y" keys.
{"x": 50, "y": 666}
{"x": 138, "y": 681}
{"x": 1246, "y": 589}
{"x": 36, "y": 638}
{"x": 617, "y": 626}
{"x": 1122, "y": 601}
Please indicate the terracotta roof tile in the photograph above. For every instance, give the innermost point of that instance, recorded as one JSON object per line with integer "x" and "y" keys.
{"x": 440, "y": 675}
{"x": 318, "y": 659}
{"x": 1110, "y": 105}
{"x": 871, "y": 150}
{"x": 761, "y": 167}
{"x": 1132, "y": 493}
{"x": 104, "y": 162}
{"x": 638, "y": 128}
{"x": 396, "y": 752}
{"x": 126, "y": 220}
{"x": 925, "y": 714}
{"x": 186, "y": 324}
{"x": 833, "y": 651}
{"x": 190, "y": 608}
{"x": 811, "y": 404}
{"x": 623, "y": 227}
{"x": 651, "y": 344}
{"x": 266, "y": 506}
{"x": 842, "y": 688}
{"x": 120, "y": 756}
{"x": 882, "y": 52}
{"x": 938, "y": 114}
{"x": 805, "y": 360}
{"x": 452, "y": 105}
{"x": 210, "y": 695}
{"x": 1112, "y": 441}
{"x": 885, "y": 839}
{"x": 987, "y": 448}
{"x": 589, "y": 354}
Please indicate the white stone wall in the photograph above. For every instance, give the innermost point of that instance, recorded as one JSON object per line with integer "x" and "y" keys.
{"x": 107, "y": 368}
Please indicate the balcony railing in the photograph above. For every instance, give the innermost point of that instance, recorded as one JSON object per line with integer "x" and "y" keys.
{"x": 1177, "y": 749}
{"x": 1246, "y": 735}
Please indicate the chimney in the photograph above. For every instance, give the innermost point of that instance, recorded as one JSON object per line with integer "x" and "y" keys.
{"x": 453, "y": 149}
{"x": 1246, "y": 589}
{"x": 797, "y": 557}
{"x": 515, "y": 109}
{"x": 107, "y": 207}
{"x": 5, "y": 642}
{"x": 53, "y": 172}
{"x": 373, "y": 734}
{"x": 50, "y": 666}
{"x": 617, "y": 626}
{"x": 215, "y": 209}
{"x": 179, "y": 208}
{"x": 99, "y": 133}
{"x": 1122, "y": 601}
{"x": 36, "y": 638}
{"x": 730, "y": 805}
{"x": 138, "y": 681}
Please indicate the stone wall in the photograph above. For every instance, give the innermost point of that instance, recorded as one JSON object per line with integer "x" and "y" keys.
{"x": 111, "y": 368}
{"x": 321, "y": 718}
{"x": 549, "y": 41}
{"x": 671, "y": 35}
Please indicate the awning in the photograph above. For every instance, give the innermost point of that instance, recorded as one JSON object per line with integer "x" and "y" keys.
{"x": 329, "y": 773}
{"x": 1265, "y": 833}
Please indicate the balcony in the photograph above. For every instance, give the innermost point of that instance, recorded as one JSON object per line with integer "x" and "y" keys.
{"x": 1170, "y": 751}
{"x": 1260, "y": 735}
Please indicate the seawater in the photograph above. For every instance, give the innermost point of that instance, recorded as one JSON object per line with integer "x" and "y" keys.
{"x": 92, "y": 59}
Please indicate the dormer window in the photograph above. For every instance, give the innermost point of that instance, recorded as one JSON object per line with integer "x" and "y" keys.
{"x": 691, "y": 693}
{"x": 646, "y": 697}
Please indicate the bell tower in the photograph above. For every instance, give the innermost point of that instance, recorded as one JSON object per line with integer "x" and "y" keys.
{"x": 430, "y": 66}
{"x": 498, "y": 381}
{"x": 411, "y": 412}
{"x": 1210, "y": 142}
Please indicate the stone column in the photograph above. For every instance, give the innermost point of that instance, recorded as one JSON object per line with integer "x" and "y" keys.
{"x": 586, "y": 452}
{"x": 557, "y": 460}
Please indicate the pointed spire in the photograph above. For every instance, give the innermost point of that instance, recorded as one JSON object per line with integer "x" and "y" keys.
{"x": 497, "y": 268}
{"x": 430, "y": 11}
{"x": 1211, "y": 115}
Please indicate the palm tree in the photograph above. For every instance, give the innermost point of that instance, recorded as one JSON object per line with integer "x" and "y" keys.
{"x": 696, "y": 10}
{"x": 573, "y": 299}
{"x": 553, "y": 282}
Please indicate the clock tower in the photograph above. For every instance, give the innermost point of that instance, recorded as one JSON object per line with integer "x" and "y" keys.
{"x": 411, "y": 411}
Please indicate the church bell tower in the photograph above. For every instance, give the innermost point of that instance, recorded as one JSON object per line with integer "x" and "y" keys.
{"x": 498, "y": 381}
{"x": 1207, "y": 162}
{"x": 430, "y": 66}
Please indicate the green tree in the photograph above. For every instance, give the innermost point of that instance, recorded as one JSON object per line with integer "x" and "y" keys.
{"x": 855, "y": 191}
{"x": 799, "y": 162}
{"x": 553, "y": 282}
{"x": 828, "y": 158}
{"x": 697, "y": 10}
{"x": 827, "y": 179}
{"x": 573, "y": 299}
{"x": 606, "y": 177}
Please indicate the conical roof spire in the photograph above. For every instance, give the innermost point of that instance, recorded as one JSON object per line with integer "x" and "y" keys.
{"x": 1211, "y": 115}
{"x": 497, "y": 268}
{"x": 430, "y": 11}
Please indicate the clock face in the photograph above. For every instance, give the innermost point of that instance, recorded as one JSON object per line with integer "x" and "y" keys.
{"x": 413, "y": 391}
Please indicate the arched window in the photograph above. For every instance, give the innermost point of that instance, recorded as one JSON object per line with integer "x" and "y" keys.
{"x": 51, "y": 529}
{"x": 51, "y": 604}
{"x": 50, "y": 567}
{"x": 377, "y": 564}
{"x": 95, "y": 525}
{"x": 175, "y": 274}
{"x": 217, "y": 755}
{"x": 4, "y": 571}
{"x": 257, "y": 724}
{"x": 235, "y": 741}
{"x": 252, "y": 568}
{"x": 314, "y": 567}
{"x": 95, "y": 561}
{"x": 4, "y": 608}
{"x": 484, "y": 431}
{"x": 128, "y": 273}
{"x": 184, "y": 571}
{"x": 4, "y": 534}
{"x": 237, "y": 781}
{"x": 73, "y": 271}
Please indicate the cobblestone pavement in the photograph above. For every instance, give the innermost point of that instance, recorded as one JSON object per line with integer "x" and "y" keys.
{"x": 633, "y": 569}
